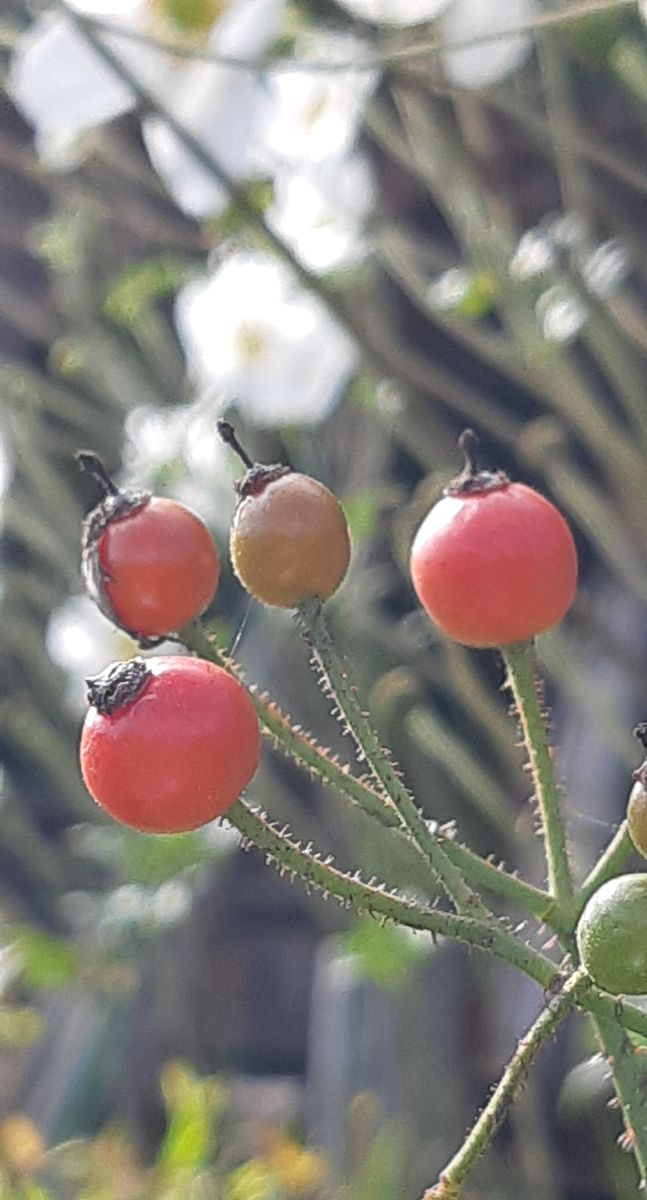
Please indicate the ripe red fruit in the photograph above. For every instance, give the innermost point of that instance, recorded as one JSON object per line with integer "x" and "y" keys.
{"x": 289, "y": 537}
{"x": 169, "y": 743}
{"x": 148, "y": 562}
{"x": 493, "y": 562}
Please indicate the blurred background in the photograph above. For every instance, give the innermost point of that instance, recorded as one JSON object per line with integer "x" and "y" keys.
{"x": 354, "y": 228}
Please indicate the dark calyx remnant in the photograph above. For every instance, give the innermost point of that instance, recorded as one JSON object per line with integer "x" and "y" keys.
{"x": 118, "y": 685}
{"x": 257, "y": 475}
{"x": 116, "y": 504}
{"x": 640, "y": 774}
{"x": 471, "y": 479}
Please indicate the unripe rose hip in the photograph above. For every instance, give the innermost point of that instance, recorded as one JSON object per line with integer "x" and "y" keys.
{"x": 289, "y": 538}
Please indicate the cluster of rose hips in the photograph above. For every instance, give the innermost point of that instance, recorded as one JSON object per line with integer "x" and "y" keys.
{"x": 170, "y": 742}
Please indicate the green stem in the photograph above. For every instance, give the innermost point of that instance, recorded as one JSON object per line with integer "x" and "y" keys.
{"x": 629, "y": 1069}
{"x": 523, "y": 684}
{"x": 494, "y": 879}
{"x": 301, "y": 746}
{"x": 610, "y": 863}
{"x": 333, "y": 672}
{"x": 303, "y": 863}
{"x": 606, "y": 1007}
{"x": 371, "y": 898}
{"x": 296, "y": 741}
{"x": 482, "y": 1132}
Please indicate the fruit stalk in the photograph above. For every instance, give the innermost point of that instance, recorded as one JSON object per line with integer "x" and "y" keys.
{"x": 375, "y": 900}
{"x": 482, "y": 1132}
{"x": 609, "y": 864}
{"x": 334, "y": 675}
{"x": 522, "y": 682}
{"x": 299, "y": 745}
{"x": 628, "y": 1065}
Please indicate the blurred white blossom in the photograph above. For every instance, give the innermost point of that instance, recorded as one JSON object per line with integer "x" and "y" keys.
{"x": 64, "y": 88}
{"x": 487, "y": 61}
{"x": 606, "y": 268}
{"x": 170, "y": 903}
{"x": 81, "y": 641}
{"x": 446, "y": 291}
{"x": 561, "y": 314}
{"x": 251, "y": 332}
{"x": 465, "y": 292}
{"x": 321, "y": 212}
{"x": 568, "y": 229}
{"x": 312, "y": 115}
{"x": 181, "y": 446}
{"x": 535, "y": 254}
{"x": 495, "y": 32}
{"x": 220, "y": 106}
{"x": 394, "y": 12}
{"x": 60, "y": 83}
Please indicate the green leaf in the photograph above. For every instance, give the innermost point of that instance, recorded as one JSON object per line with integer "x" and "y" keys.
{"x": 233, "y": 221}
{"x": 382, "y": 1173}
{"x": 362, "y": 513}
{"x": 384, "y": 953}
{"x": 131, "y": 291}
{"x": 139, "y": 859}
{"x": 251, "y": 1181}
{"x": 193, "y": 1106}
{"x": 479, "y": 297}
{"x": 46, "y": 961}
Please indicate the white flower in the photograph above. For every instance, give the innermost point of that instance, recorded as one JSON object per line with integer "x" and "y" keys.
{"x": 81, "y": 641}
{"x": 182, "y": 443}
{"x": 488, "y": 61}
{"x": 448, "y": 290}
{"x": 311, "y": 115}
{"x": 64, "y": 88}
{"x": 394, "y": 12}
{"x": 321, "y": 212}
{"x": 220, "y": 106}
{"x": 606, "y": 268}
{"x": 535, "y": 254}
{"x": 251, "y": 331}
{"x": 490, "y": 24}
{"x": 561, "y": 314}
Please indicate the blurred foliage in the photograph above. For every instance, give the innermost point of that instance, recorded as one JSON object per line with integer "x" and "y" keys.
{"x": 385, "y": 954}
{"x": 195, "y": 1158}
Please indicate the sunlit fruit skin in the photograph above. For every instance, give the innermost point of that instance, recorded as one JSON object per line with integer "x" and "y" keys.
{"x": 289, "y": 540}
{"x": 158, "y": 567}
{"x": 177, "y": 754}
{"x": 494, "y": 566}
{"x": 637, "y": 813}
{"x": 612, "y": 935}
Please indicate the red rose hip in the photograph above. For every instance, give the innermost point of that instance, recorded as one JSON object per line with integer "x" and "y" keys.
{"x": 148, "y": 562}
{"x": 168, "y": 743}
{"x": 493, "y": 562}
